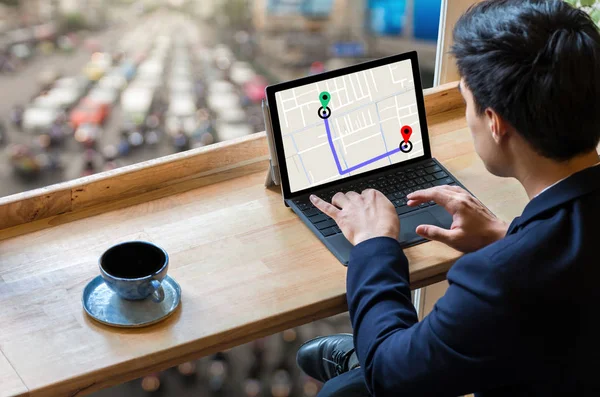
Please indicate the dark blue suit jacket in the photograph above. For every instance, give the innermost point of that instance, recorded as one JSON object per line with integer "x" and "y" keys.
{"x": 520, "y": 317}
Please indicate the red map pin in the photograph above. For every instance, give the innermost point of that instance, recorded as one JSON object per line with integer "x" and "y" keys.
{"x": 406, "y": 132}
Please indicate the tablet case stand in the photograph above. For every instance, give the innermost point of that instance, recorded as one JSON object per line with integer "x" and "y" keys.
{"x": 273, "y": 176}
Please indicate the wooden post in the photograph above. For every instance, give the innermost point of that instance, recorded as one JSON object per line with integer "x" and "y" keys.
{"x": 445, "y": 68}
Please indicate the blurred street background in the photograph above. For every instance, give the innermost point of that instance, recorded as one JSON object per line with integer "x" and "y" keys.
{"x": 92, "y": 85}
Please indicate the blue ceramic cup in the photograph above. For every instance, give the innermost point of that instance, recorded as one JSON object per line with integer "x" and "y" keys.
{"x": 135, "y": 270}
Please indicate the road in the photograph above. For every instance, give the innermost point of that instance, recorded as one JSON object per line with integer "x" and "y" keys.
{"x": 19, "y": 88}
{"x": 23, "y": 86}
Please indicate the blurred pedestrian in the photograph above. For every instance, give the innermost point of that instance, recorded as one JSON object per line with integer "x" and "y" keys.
{"x": 2, "y": 133}
{"x": 16, "y": 116}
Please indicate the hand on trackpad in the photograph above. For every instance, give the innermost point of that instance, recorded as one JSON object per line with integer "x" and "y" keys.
{"x": 409, "y": 224}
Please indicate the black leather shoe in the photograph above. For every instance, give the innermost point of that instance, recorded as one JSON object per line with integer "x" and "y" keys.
{"x": 326, "y": 357}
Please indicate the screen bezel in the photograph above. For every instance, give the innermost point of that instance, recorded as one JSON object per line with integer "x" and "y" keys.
{"x": 278, "y": 138}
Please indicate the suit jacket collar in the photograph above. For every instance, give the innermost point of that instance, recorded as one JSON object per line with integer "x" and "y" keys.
{"x": 572, "y": 187}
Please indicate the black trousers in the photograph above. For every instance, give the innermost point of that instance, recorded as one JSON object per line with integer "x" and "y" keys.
{"x": 348, "y": 384}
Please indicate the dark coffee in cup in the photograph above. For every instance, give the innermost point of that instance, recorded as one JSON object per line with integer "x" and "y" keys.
{"x": 135, "y": 269}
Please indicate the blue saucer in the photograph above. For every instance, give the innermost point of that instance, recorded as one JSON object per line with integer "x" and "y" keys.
{"x": 105, "y": 306}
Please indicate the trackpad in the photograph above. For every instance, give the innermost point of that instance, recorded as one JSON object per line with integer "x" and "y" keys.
{"x": 409, "y": 224}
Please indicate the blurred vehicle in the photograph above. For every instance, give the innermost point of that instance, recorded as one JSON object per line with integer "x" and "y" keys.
{"x": 23, "y": 161}
{"x": 98, "y": 65}
{"x": 222, "y": 102}
{"x": 181, "y": 115}
{"x": 241, "y": 73}
{"x": 39, "y": 119}
{"x": 226, "y": 131}
{"x": 89, "y": 112}
{"x": 233, "y": 116}
{"x": 220, "y": 87}
{"x": 151, "y": 68}
{"x": 66, "y": 43}
{"x": 113, "y": 80}
{"x": 136, "y": 103}
{"x": 128, "y": 69}
{"x": 47, "y": 77}
{"x": 87, "y": 134}
{"x": 60, "y": 98}
{"x": 254, "y": 89}
{"x": 104, "y": 95}
{"x": 46, "y": 47}
{"x": 21, "y": 51}
{"x": 92, "y": 45}
{"x": 78, "y": 83}
{"x": 180, "y": 70}
{"x": 93, "y": 71}
{"x": 181, "y": 87}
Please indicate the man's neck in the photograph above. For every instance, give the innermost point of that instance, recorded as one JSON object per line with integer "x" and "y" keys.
{"x": 547, "y": 172}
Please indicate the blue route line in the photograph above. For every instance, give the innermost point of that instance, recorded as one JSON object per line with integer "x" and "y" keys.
{"x": 363, "y": 164}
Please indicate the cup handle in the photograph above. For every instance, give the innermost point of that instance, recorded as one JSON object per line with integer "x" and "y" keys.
{"x": 159, "y": 294}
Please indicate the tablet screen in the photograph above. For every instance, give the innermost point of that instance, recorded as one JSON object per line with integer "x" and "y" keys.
{"x": 349, "y": 125}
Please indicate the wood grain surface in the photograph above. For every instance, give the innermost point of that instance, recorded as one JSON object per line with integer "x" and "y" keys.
{"x": 223, "y": 160}
{"x": 246, "y": 264}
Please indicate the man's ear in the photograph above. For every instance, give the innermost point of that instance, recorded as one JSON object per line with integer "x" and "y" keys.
{"x": 496, "y": 124}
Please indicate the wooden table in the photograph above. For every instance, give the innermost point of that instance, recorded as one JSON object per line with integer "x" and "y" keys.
{"x": 247, "y": 266}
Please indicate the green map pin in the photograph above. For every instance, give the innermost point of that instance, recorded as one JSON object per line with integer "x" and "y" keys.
{"x": 325, "y": 97}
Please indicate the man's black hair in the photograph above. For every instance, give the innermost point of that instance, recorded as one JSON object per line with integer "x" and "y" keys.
{"x": 537, "y": 64}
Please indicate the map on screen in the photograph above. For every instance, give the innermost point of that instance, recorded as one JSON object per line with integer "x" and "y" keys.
{"x": 350, "y": 124}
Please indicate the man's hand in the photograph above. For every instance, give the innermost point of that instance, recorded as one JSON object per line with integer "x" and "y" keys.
{"x": 473, "y": 226}
{"x": 361, "y": 216}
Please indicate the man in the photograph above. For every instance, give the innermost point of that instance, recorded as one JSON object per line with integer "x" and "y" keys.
{"x": 518, "y": 318}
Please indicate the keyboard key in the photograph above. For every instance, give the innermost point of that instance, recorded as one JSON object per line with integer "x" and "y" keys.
{"x": 399, "y": 203}
{"x": 400, "y": 195}
{"x": 411, "y": 184}
{"x": 429, "y": 178}
{"x": 420, "y": 181}
{"x": 429, "y": 163}
{"x": 318, "y": 218}
{"x": 312, "y": 212}
{"x": 391, "y": 196}
{"x": 444, "y": 181}
{"x": 420, "y": 172}
{"x": 432, "y": 170}
{"x": 325, "y": 224}
{"x": 328, "y": 232}
{"x": 440, "y": 175}
{"x": 423, "y": 205}
{"x": 427, "y": 185}
{"x": 337, "y": 229}
{"x": 405, "y": 209}
{"x": 432, "y": 202}
{"x": 302, "y": 206}
{"x": 411, "y": 175}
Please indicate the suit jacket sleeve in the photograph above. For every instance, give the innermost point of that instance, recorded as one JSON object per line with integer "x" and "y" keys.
{"x": 462, "y": 346}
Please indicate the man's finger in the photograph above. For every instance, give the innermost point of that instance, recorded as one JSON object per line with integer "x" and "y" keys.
{"x": 340, "y": 200}
{"x": 440, "y": 194}
{"x": 324, "y": 206}
{"x": 353, "y": 196}
{"x": 435, "y": 233}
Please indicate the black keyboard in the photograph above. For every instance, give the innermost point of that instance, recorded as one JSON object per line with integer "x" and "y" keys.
{"x": 395, "y": 185}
